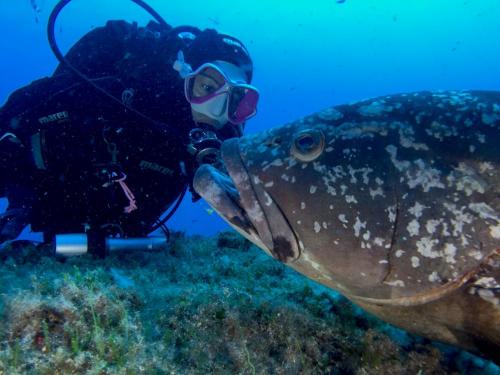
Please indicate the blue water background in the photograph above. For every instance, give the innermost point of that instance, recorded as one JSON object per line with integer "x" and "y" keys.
{"x": 308, "y": 55}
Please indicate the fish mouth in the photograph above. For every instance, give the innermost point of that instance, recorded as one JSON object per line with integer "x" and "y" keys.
{"x": 245, "y": 204}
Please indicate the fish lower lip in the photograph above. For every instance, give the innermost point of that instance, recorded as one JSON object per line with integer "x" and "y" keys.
{"x": 230, "y": 153}
{"x": 219, "y": 191}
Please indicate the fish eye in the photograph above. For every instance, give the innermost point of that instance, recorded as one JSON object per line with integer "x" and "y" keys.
{"x": 308, "y": 145}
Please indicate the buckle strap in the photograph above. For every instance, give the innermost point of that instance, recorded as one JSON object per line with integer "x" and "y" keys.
{"x": 126, "y": 190}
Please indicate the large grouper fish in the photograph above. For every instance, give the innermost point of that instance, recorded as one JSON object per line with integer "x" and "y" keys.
{"x": 393, "y": 201}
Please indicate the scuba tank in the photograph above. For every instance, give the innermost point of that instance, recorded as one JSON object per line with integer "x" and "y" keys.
{"x": 69, "y": 245}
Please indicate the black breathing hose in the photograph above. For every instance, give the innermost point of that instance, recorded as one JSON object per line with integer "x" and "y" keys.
{"x": 60, "y": 57}
{"x": 151, "y": 11}
{"x": 57, "y": 52}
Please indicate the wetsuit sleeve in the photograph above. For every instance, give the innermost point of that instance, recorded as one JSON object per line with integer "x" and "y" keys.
{"x": 98, "y": 51}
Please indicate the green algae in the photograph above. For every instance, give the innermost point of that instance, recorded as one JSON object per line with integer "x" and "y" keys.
{"x": 204, "y": 305}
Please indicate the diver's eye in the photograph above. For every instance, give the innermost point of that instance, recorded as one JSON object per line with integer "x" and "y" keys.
{"x": 208, "y": 89}
{"x": 308, "y": 145}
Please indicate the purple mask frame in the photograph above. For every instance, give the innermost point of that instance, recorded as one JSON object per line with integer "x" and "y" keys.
{"x": 238, "y": 109}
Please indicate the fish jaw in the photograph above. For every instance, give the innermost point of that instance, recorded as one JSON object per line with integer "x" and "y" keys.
{"x": 219, "y": 191}
{"x": 245, "y": 206}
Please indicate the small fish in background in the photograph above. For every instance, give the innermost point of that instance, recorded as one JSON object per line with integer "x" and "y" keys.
{"x": 214, "y": 20}
{"x": 36, "y": 9}
{"x": 209, "y": 211}
{"x": 457, "y": 44}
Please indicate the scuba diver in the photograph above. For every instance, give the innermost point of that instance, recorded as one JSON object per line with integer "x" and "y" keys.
{"x": 109, "y": 142}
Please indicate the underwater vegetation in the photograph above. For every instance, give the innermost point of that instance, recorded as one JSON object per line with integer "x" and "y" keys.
{"x": 203, "y": 305}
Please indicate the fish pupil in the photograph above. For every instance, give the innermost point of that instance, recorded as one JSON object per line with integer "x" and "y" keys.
{"x": 305, "y": 143}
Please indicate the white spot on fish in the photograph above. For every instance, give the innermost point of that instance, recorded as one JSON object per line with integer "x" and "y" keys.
{"x": 241, "y": 179}
{"x": 302, "y": 205}
{"x": 425, "y": 247}
{"x": 256, "y": 180}
{"x": 292, "y": 162}
{"x": 377, "y": 192}
{"x": 343, "y": 219}
{"x": 417, "y": 209}
{"x": 255, "y": 213}
{"x": 363, "y": 171}
{"x": 383, "y": 261}
{"x": 212, "y": 193}
{"x": 400, "y": 165}
{"x": 424, "y": 176}
{"x": 374, "y": 109}
{"x": 350, "y": 199}
{"x": 484, "y": 211}
{"x": 465, "y": 179}
{"x": 396, "y": 283}
{"x": 460, "y": 219}
{"x": 495, "y": 231}
{"x": 312, "y": 189}
{"x": 489, "y": 119}
{"x": 268, "y": 201}
{"x": 325, "y": 225}
{"x": 399, "y": 253}
{"x": 317, "y": 227}
{"x": 475, "y": 254}
{"x": 269, "y": 184}
{"x": 274, "y": 163}
{"x": 450, "y": 251}
{"x": 413, "y": 228}
{"x": 433, "y": 277}
{"x": 358, "y": 226}
{"x": 439, "y": 130}
{"x": 391, "y": 210}
{"x": 407, "y": 141}
{"x": 330, "y": 114}
{"x": 432, "y": 225}
{"x": 486, "y": 167}
{"x": 415, "y": 262}
{"x": 379, "y": 241}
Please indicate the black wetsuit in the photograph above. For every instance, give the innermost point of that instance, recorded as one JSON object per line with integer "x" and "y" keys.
{"x": 73, "y": 141}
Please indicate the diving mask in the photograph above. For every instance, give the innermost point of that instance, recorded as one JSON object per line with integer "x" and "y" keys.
{"x": 219, "y": 91}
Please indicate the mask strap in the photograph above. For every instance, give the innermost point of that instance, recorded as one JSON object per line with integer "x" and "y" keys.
{"x": 181, "y": 66}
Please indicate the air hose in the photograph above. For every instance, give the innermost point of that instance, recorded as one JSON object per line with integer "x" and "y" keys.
{"x": 60, "y": 57}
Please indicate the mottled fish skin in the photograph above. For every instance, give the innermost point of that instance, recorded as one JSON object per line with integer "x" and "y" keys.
{"x": 398, "y": 209}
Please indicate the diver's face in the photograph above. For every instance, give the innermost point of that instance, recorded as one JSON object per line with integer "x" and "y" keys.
{"x": 205, "y": 83}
